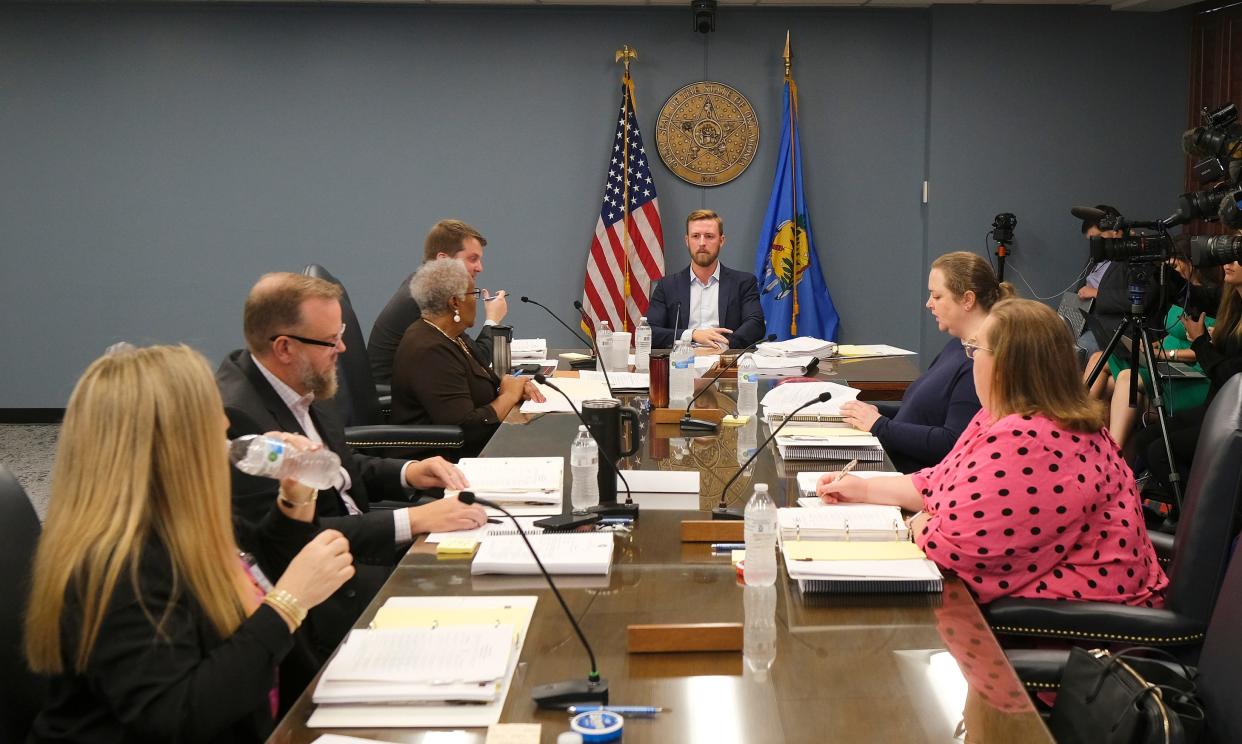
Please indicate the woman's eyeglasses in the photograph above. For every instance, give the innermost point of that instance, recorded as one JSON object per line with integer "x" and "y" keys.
{"x": 970, "y": 347}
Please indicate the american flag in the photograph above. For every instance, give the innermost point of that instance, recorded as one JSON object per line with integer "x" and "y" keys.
{"x": 627, "y": 251}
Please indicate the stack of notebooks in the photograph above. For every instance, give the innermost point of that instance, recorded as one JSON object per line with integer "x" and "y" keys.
{"x": 525, "y": 486}
{"x": 425, "y": 661}
{"x": 796, "y": 442}
{"x": 562, "y": 553}
{"x": 528, "y": 350}
{"x": 853, "y": 549}
{"x": 801, "y": 346}
{"x": 782, "y": 399}
{"x": 784, "y": 366}
{"x": 623, "y": 383}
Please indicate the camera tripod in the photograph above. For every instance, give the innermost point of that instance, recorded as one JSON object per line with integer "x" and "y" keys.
{"x": 1133, "y": 328}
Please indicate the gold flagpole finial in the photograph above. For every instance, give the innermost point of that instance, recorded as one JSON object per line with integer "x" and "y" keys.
{"x": 788, "y": 57}
{"x": 626, "y": 54}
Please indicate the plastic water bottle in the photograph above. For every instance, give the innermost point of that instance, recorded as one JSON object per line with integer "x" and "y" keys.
{"x": 642, "y": 346}
{"x": 267, "y": 457}
{"x": 680, "y": 375}
{"x": 747, "y": 386}
{"x": 584, "y": 464}
{"x": 759, "y": 630}
{"x": 747, "y": 440}
{"x": 603, "y": 345}
{"x": 760, "y": 538}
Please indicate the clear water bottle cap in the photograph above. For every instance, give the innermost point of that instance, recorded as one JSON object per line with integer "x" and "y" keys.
{"x": 761, "y": 488}
{"x": 582, "y": 428}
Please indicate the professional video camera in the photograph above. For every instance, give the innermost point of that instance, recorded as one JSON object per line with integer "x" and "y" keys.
{"x": 1002, "y": 227}
{"x": 1215, "y": 250}
{"x": 1219, "y": 141}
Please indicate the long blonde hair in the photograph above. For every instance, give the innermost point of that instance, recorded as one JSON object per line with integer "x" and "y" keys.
{"x": 1036, "y": 368}
{"x": 141, "y": 456}
{"x": 1228, "y": 317}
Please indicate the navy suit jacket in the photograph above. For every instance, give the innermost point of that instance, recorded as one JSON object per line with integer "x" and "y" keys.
{"x": 739, "y": 308}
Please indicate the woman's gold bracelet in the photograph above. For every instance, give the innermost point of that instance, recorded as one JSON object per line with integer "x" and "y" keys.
{"x": 286, "y": 604}
{"x": 289, "y": 503}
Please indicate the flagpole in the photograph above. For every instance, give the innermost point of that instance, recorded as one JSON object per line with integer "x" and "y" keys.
{"x": 793, "y": 180}
{"x": 625, "y": 55}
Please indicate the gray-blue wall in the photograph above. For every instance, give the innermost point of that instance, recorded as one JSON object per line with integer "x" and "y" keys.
{"x": 154, "y": 160}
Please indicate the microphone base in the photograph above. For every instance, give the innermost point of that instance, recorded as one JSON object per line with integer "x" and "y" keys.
{"x": 561, "y": 695}
{"x": 618, "y": 509}
{"x": 689, "y": 423}
{"x": 723, "y": 512}
{"x": 582, "y": 364}
{"x": 567, "y": 522}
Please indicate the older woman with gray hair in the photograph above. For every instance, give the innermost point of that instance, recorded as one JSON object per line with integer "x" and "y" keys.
{"x": 437, "y": 379}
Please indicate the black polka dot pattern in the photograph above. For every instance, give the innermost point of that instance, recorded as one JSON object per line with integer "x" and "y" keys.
{"x": 1062, "y": 503}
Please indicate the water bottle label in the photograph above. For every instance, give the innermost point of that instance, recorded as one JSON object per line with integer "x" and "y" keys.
{"x": 275, "y": 450}
{"x": 682, "y": 365}
{"x": 752, "y": 377}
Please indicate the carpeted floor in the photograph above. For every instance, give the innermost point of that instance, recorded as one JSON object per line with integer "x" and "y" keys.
{"x": 28, "y": 450}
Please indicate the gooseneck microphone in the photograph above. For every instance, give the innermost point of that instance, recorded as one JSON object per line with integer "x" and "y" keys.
{"x": 557, "y": 319}
{"x": 722, "y": 509}
{"x": 629, "y": 508}
{"x": 593, "y": 689}
{"x": 693, "y": 424}
{"x": 600, "y": 362}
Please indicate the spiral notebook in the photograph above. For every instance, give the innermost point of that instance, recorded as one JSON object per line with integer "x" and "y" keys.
{"x": 802, "y": 446}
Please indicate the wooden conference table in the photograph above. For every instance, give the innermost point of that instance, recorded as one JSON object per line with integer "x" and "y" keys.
{"x": 888, "y": 668}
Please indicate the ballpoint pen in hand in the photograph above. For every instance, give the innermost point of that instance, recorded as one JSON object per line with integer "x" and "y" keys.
{"x": 846, "y": 470}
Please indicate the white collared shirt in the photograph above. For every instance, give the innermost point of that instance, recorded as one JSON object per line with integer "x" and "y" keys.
{"x": 299, "y": 406}
{"x": 704, "y": 303}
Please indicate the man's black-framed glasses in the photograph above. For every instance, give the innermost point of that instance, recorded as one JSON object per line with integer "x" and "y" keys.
{"x": 331, "y": 344}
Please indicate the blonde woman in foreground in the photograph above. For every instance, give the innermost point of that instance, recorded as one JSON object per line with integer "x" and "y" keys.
{"x": 149, "y": 621}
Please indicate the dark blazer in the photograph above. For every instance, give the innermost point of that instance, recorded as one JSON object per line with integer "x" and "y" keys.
{"x": 254, "y": 407}
{"x": 390, "y": 325}
{"x": 739, "y": 308}
{"x": 189, "y": 685}
{"x": 436, "y": 382}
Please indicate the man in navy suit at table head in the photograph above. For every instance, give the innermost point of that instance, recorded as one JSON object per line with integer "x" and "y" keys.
{"x": 707, "y": 303}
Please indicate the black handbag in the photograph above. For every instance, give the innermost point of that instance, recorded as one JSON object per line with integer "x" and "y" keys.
{"x": 1124, "y": 698}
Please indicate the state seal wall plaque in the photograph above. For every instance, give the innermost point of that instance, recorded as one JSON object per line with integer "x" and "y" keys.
{"x": 707, "y": 133}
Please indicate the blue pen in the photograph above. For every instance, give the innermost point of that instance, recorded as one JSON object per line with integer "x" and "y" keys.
{"x": 727, "y": 547}
{"x": 638, "y": 711}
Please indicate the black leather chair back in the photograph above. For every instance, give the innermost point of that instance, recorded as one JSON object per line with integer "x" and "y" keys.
{"x": 356, "y": 400}
{"x": 19, "y": 533}
{"x": 1206, "y": 530}
{"x": 1220, "y": 664}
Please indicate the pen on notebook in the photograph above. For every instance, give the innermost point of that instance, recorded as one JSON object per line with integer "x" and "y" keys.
{"x": 493, "y": 520}
{"x": 638, "y": 711}
{"x": 846, "y": 470}
{"x": 727, "y": 547}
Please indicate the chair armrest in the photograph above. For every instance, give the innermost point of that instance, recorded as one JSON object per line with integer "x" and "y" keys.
{"x": 1163, "y": 543}
{"x": 383, "y": 390}
{"x": 1038, "y": 668}
{"x": 1101, "y": 622}
{"x": 418, "y": 436}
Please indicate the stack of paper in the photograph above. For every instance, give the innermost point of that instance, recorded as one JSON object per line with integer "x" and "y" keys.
{"x": 528, "y": 350}
{"x": 859, "y": 567}
{"x": 622, "y": 382}
{"x": 783, "y": 366}
{"x": 577, "y": 388}
{"x": 525, "y": 486}
{"x": 459, "y": 664}
{"x": 560, "y": 553}
{"x": 828, "y": 443}
{"x": 862, "y": 351}
{"x": 422, "y": 657}
{"x": 479, "y": 534}
{"x": 782, "y": 399}
{"x": 807, "y": 480}
{"x": 842, "y": 522}
{"x": 801, "y": 346}
{"x": 704, "y": 362}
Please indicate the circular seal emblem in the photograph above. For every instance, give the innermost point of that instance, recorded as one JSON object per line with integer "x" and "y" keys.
{"x": 707, "y": 133}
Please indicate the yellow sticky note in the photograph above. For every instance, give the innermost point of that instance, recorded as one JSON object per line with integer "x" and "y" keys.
{"x": 458, "y": 546}
{"x": 734, "y": 420}
{"x": 514, "y": 733}
{"x": 851, "y": 550}
{"x": 428, "y": 617}
{"x": 738, "y": 556}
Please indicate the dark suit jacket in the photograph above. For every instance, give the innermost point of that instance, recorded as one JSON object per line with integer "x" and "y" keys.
{"x": 739, "y": 308}
{"x": 434, "y": 382}
{"x": 390, "y": 325}
{"x": 254, "y": 407}
{"x": 190, "y": 685}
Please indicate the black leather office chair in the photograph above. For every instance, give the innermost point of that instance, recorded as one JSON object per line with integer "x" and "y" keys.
{"x": 19, "y": 533}
{"x": 366, "y": 421}
{"x": 1219, "y": 670}
{"x": 1200, "y": 557}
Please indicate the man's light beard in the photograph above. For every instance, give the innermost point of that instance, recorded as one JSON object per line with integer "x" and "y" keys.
{"x": 703, "y": 260}
{"x": 323, "y": 386}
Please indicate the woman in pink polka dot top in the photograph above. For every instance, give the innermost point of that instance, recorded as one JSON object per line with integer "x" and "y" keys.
{"x": 1034, "y": 500}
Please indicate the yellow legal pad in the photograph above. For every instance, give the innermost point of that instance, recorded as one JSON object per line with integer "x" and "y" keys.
{"x": 849, "y": 350}
{"x": 430, "y": 617}
{"x": 853, "y": 550}
{"x": 821, "y": 432}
